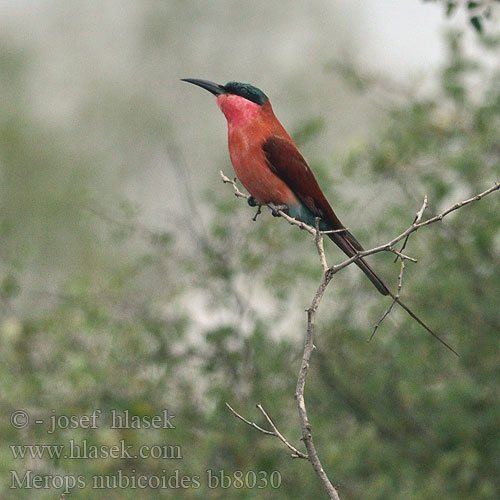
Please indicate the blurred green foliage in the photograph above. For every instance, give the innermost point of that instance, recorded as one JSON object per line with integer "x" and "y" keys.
{"x": 207, "y": 314}
{"x": 479, "y": 13}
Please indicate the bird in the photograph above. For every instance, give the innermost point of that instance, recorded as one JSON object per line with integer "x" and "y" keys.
{"x": 273, "y": 171}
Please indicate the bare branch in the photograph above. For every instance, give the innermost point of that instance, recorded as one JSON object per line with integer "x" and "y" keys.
{"x": 291, "y": 220}
{"x": 298, "y": 223}
{"x": 380, "y": 321}
{"x": 275, "y": 432}
{"x": 403, "y": 256}
{"x": 237, "y": 192}
{"x": 420, "y": 213}
{"x": 318, "y": 239}
{"x": 418, "y": 218}
{"x": 251, "y": 424}
{"x": 461, "y": 204}
{"x": 394, "y": 300}
{"x": 414, "y": 227}
{"x": 299, "y": 397}
{"x": 327, "y": 275}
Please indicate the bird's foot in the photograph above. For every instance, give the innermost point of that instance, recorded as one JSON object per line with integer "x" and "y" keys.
{"x": 253, "y": 202}
{"x": 259, "y": 211}
{"x": 276, "y": 208}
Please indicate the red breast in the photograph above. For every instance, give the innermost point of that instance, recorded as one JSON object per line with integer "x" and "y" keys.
{"x": 249, "y": 125}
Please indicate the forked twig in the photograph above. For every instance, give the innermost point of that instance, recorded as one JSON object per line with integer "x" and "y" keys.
{"x": 327, "y": 275}
{"x": 275, "y": 432}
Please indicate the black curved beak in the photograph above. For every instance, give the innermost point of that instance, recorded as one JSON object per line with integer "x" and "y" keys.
{"x": 212, "y": 87}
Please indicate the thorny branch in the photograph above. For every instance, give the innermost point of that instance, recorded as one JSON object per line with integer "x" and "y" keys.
{"x": 418, "y": 218}
{"x": 327, "y": 275}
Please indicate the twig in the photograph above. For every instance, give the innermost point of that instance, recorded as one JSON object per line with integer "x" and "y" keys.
{"x": 403, "y": 257}
{"x": 275, "y": 432}
{"x": 420, "y": 213}
{"x": 251, "y": 424}
{"x": 304, "y": 368}
{"x": 290, "y": 220}
{"x": 394, "y": 300}
{"x": 237, "y": 192}
{"x": 304, "y": 420}
{"x": 327, "y": 275}
{"x": 381, "y": 320}
{"x": 331, "y": 231}
{"x": 318, "y": 239}
{"x": 417, "y": 218}
{"x": 414, "y": 227}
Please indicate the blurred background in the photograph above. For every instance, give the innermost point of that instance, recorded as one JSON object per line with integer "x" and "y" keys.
{"x": 132, "y": 279}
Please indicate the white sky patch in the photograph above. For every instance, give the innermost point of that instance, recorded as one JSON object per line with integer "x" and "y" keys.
{"x": 404, "y": 36}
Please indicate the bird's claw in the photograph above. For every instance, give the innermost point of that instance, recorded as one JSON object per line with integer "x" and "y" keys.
{"x": 252, "y": 201}
{"x": 276, "y": 208}
{"x": 259, "y": 211}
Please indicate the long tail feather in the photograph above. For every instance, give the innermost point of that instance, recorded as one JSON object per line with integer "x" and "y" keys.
{"x": 350, "y": 246}
{"x": 421, "y": 323}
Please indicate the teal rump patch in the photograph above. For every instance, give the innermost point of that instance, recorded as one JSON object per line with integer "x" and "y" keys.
{"x": 302, "y": 213}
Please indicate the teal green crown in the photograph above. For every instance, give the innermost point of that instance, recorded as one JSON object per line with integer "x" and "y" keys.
{"x": 247, "y": 91}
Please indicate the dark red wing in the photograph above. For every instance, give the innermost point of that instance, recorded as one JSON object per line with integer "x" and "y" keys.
{"x": 288, "y": 164}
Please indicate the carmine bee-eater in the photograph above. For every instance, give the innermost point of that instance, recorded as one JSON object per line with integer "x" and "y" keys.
{"x": 272, "y": 170}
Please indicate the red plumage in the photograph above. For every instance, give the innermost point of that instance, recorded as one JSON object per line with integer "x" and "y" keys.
{"x": 271, "y": 168}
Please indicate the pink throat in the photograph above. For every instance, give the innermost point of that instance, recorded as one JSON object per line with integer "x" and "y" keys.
{"x": 237, "y": 110}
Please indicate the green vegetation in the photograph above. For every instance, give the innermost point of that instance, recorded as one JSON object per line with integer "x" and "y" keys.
{"x": 197, "y": 315}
